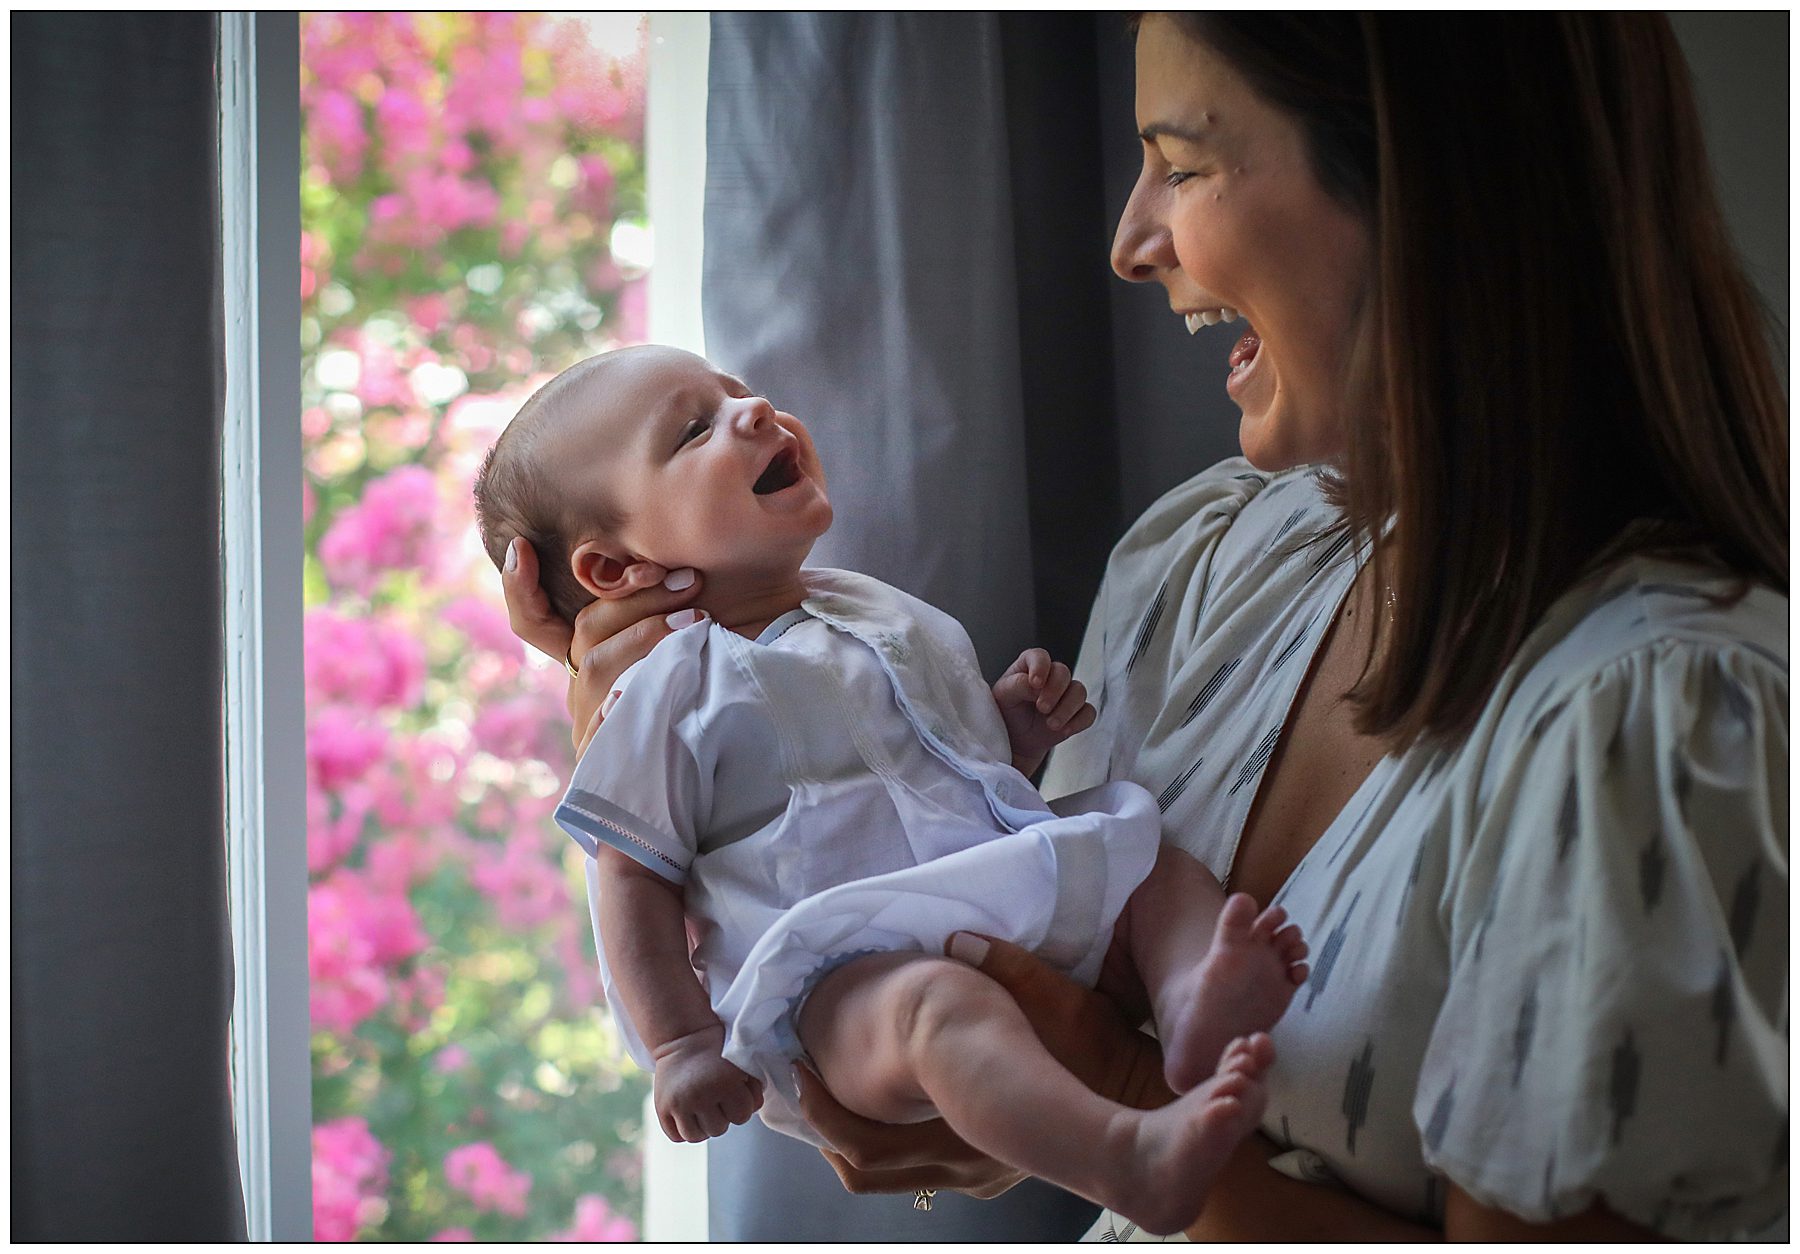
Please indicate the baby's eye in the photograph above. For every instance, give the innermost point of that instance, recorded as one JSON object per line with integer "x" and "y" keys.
{"x": 693, "y": 431}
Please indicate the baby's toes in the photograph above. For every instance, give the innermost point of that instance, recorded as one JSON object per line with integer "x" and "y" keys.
{"x": 1290, "y": 944}
{"x": 1248, "y": 1057}
{"x": 1268, "y": 923}
{"x": 1235, "y": 919}
{"x": 1297, "y": 973}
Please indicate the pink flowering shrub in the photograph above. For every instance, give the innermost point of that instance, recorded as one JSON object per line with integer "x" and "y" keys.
{"x": 349, "y": 1174}
{"x": 461, "y": 177}
{"x": 595, "y": 1221}
{"x": 478, "y": 1171}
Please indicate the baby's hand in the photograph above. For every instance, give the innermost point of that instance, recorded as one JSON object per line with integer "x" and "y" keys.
{"x": 1043, "y": 705}
{"x": 698, "y": 1094}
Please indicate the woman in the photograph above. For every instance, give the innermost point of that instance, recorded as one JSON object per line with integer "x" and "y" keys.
{"x": 1497, "y": 709}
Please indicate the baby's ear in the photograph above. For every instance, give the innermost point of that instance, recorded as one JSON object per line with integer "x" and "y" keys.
{"x": 608, "y": 575}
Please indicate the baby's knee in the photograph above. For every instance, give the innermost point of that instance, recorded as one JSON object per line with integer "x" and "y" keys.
{"x": 933, "y": 996}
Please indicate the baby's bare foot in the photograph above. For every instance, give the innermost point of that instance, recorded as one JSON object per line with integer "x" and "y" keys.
{"x": 1243, "y": 985}
{"x": 1183, "y": 1145}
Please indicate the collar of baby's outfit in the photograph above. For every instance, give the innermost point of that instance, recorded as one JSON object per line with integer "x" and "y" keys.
{"x": 775, "y": 630}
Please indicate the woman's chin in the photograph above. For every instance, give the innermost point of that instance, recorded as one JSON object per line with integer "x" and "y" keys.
{"x": 1260, "y": 442}
{"x": 1273, "y": 441}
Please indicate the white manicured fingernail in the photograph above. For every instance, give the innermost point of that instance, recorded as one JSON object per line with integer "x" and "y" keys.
{"x": 684, "y": 618}
{"x": 678, "y": 580}
{"x": 512, "y": 556}
{"x": 612, "y": 699}
{"x": 968, "y": 947}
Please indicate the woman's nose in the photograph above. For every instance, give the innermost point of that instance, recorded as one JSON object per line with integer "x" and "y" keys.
{"x": 1140, "y": 239}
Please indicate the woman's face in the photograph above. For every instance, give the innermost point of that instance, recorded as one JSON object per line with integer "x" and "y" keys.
{"x": 1227, "y": 215}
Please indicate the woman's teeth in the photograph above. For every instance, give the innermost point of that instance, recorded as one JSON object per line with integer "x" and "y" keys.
{"x": 1206, "y": 317}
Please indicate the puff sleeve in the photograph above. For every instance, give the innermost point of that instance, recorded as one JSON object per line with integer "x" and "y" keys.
{"x": 1615, "y": 1023}
{"x": 641, "y": 786}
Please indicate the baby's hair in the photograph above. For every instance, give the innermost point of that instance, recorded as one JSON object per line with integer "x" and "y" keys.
{"x": 515, "y": 495}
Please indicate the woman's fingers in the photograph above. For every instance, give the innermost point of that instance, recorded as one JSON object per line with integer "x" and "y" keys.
{"x": 873, "y": 1157}
{"x": 527, "y": 608}
{"x": 611, "y": 635}
{"x": 1082, "y": 1029}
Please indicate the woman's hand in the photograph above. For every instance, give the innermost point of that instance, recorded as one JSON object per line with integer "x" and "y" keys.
{"x": 608, "y": 635}
{"x": 871, "y": 1157}
{"x": 1083, "y": 1030}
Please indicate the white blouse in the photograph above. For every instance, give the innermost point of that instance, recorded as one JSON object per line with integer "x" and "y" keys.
{"x": 1549, "y": 964}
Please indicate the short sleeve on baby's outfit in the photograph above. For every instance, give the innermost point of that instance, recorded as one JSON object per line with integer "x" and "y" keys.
{"x": 1615, "y": 1026}
{"x": 638, "y": 787}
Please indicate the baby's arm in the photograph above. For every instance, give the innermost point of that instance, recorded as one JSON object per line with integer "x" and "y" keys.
{"x": 698, "y": 1094}
{"x": 1042, "y": 705}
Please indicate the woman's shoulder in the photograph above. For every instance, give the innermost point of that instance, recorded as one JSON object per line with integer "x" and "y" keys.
{"x": 1230, "y": 506}
{"x": 1645, "y": 623}
{"x": 1614, "y": 903}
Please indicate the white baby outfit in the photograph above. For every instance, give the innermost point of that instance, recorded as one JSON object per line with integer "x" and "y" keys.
{"x": 839, "y": 786}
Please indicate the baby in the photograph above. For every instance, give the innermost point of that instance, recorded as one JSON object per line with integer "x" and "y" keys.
{"x": 819, "y": 782}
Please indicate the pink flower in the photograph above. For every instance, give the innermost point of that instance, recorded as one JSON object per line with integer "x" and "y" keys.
{"x": 450, "y": 1059}
{"x": 478, "y": 1171}
{"x": 428, "y": 311}
{"x": 454, "y": 1234}
{"x": 407, "y": 125}
{"x": 594, "y": 193}
{"x": 335, "y": 126}
{"x": 418, "y": 790}
{"x": 366, "y": 662}
{"x": 349, "y": 1175}
{"x": 595, "y": 1221}
{"x": 355, "y": 936}
{"x": 393, "y": 527}
{"x": 521, "y": 727}
{"x": 523, "y": 882}
{"x": 485, "y": 624}
{"x": 341, "y": 746}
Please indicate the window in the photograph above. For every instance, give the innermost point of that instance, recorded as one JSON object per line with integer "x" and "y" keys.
{"x": 472, "y": 217}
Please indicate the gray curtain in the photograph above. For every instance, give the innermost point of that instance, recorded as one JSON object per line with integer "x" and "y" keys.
{"x": 907, "y": 220}
{"x": 121, "y": 960}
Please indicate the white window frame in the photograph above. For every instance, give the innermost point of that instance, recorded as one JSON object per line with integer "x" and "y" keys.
{"x": 675, "y": 1178}
{"x": 264, "y": 715}
{"x": 264, "y": 710}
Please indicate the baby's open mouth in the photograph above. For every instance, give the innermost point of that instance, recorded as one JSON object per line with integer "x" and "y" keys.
{"x": 781, "y": 472}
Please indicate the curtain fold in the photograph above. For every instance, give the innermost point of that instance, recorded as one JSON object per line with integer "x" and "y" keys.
{"x": 121, "y": 961}
{"x": 905, "y": 247}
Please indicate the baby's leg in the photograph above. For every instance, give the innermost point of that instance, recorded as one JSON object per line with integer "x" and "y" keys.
{"x": 906, "y": 1037}
{"x": 1214, "y": 968}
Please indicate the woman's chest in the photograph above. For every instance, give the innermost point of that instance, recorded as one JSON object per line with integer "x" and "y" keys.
{"x": 1350, "y": 1048}
{"x": 1318, "y": 763}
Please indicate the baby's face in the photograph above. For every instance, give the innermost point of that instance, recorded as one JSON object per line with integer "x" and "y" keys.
{"x": 706, "y": 474}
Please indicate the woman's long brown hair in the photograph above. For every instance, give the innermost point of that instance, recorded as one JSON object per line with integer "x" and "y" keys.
{"x": 1563, "y": 360}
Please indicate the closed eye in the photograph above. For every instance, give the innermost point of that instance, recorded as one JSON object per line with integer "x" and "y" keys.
{"x": 693, "y": 431}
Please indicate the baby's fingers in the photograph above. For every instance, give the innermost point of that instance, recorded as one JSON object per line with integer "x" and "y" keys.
{"x": 1036, "y": 665}
{"x": 1014, "y": 688}
{"x": 1067, "y": 706}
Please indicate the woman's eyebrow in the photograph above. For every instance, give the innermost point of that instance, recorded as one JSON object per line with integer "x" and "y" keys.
{"x": 1156, "y": 130}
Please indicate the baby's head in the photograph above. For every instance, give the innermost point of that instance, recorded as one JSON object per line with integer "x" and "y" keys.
{"x": 650, "y": 454}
